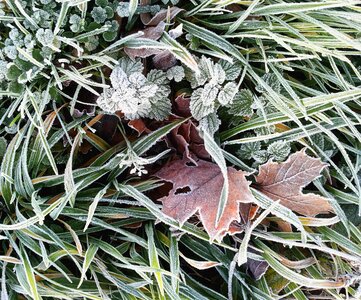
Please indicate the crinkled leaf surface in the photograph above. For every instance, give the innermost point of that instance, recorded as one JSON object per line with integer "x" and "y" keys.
{"x": 285, "y": 181}
{"x": 198, "y": 189}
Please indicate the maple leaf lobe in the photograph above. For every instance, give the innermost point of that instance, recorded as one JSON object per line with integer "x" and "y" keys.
{"x": 202, "y": 185}
{"x": 285, "y": 181}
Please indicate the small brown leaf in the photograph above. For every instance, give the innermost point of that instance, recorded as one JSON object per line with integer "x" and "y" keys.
{"x": 285, "y": 181}
{"x": 163, "y": 15}
{"x": 153, "y": 33}
{"x": 186, "y": 141}
{"x": 198, "y": 188}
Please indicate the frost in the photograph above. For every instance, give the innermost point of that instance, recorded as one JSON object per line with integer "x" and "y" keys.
{"x": 45, "y": 36}
{"x": 123, "y": 9}
{"x": 242, "y": 104}
{"x": 92, "y": 43}
{"x": 279, "y": 150}
{"x": 214, "y": 88}
{"x": 99, "y": 15}
{"x": 176, "y": 73}
{"x": 75, "y": 22}
{"x": 247, "y": 151}
{"x": 3, "y": 69}
{"x": 136, "y": 95}
{"x": 226, "y": 95}
{"x": 210, "y": 123}
{"x": 232, "y": 70}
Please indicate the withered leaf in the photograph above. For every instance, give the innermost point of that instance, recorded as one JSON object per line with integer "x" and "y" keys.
{"x": 285, "y": 181}
{"x": 153, "y": 33}
{"x": 198, "y": 189}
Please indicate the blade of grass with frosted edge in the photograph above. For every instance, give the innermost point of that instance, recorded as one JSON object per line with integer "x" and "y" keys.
{"x": 180, "y": 52}
{"x": 153, "y": 257}
{"x": 133, "y": 5}
{"x": 280, "y": 211}
{"x": 174, "y": 262}
{"x": 296, "y": 277}
{"x": 69, "y": 184}
{"x": 243, "y": 17}
{"x": 290, "y": 8}
{"x": 88, "y": 259}
{"x": 243, "y": 249}
{"x": 93, "y": 206}
{"x": 216, "y": 153}
{"x": 29, "y": 273}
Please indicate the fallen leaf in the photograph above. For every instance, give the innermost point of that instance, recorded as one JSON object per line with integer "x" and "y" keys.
{"x": 285, "y": 181}
{"x": 201, "y": 265}
{"x": 153, "y": 33}
{"x": 163, "y": 15}
{"x": 139, "y": 126}
{"x": 164, "y": 60}
{"x": 198, "y": 189}
{"x": 186, "y": 140}
{"x": 256, "y": 268}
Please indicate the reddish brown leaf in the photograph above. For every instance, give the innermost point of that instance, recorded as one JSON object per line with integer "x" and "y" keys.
{"x": 139, "y": 126}
{"x": 186, "y": 141}
{"x": 285, "y": 181}
{"x": 164, "y": 60}
{"x": 163, "y": 15}
{"x": 153, "y": 33}
{"x": 198, "y": 189}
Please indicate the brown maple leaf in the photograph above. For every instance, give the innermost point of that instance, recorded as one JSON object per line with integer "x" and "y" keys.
{"x": 285, "y": 181}
{"x": 198, "y": 188}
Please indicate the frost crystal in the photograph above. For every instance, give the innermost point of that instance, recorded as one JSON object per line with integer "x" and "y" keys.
{"x": 136, "y": 95}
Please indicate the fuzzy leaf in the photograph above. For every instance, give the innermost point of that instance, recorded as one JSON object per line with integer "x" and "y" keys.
{"x": 226, "y": 95}
{"x": 198, "y": 109}
{"x": 232, "y": 70}
{"x": 198, "y": 188}
{"x": 285, "y": 181}
{"x": 210, "y": 123}
{"x": 242, "y": 104}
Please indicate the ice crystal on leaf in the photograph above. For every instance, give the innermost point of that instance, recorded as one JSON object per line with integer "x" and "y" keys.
{"x": 136, "y": 95}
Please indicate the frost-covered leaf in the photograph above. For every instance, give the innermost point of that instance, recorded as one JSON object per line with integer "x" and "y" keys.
{"x": 210, "y": 123}
{"x": 242, "y": 104}
{"x": 279, "y": 150}
{"x": 119, "y": 78}
{"x": 260, "y": 156}
{"x": 157, "y": 77}
{"x": 161, "y": 106}
{"x": 227, "y": 94}
{"x": 217, "y": 74}
{"x": 198, "y": 188}
{"x": 232, "y": 70}
{"x": 248, "y": 150}
{"x": 209, "y": 94}
{"x": 197, "y": 107}
{"x": 130, "y": 66}
{"x": 106, "y": 101}
{"x": 272, "y": 80}
{"x": 285, "y": 181}
{"x": 123, "y": 9}
{"x": 176, "y": 73}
